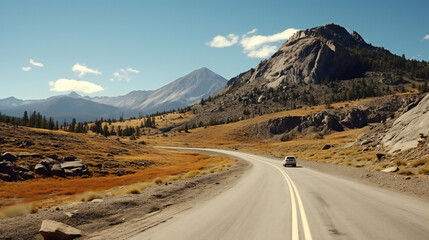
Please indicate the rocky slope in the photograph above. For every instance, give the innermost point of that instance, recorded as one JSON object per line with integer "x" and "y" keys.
{"x": 410, "y": 129}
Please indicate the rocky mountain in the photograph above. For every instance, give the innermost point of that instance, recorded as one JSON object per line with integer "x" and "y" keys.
{"x": 180, "y": 93}
{"x": 316, "y": 66}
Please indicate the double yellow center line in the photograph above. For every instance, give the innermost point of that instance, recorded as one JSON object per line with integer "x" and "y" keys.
{"x": 294, "y": 193}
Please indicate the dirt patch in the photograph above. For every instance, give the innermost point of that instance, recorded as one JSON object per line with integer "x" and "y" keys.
{"x": 94, "y": 217}
{"x": 417, "y": 186}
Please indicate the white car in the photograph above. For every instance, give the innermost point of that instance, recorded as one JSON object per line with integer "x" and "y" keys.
{"x": 289, "y": 160}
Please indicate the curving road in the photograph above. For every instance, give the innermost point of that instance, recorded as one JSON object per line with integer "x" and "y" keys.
{"x": 273, "y": 202}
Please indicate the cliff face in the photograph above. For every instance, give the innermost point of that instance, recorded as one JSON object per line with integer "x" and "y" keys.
{"x": 410, "y": 129}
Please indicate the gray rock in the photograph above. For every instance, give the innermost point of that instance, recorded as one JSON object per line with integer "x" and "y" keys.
{"x": 73, "y": 164}
{"x": 41, "y": 169}
{"x": 390, "y": 169}
{"x": 380, "y": 156}
{"x": 356, "y": 118}
{"x": 23, "y": 168}
{"x": 51, "y": 230}
{"x": 407, "y": 129}
{"x": 5, "y": 177}
{"x": 57, "y": 170}
{"x": 8, "y": 168}
{"x": 8, "y": 157}
{"x": 327, "y": 146}
{"x": 27, "y": 175}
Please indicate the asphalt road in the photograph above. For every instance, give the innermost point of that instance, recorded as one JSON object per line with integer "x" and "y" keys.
{"x": 273, "y": 202}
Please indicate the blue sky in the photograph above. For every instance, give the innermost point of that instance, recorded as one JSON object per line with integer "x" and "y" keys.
{"x": 109, "y": 48}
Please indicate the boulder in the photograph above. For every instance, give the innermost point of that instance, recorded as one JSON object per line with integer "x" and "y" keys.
{"x": 57, "y": 170}
{"x": 332, "y": 124}
{"x": 41, "y": 169}
{"x": 380, "y": 156}
{"x": 53, "y": 156}
{"x": 27, "y": 143}
{"x": 23, "y": 168}
{"x": 47, "y": 162}
{"x": 27, "y": 175}
{"x": 59, "y": 231}
{"x": 326, "y": 147}
{"x": 7, "y": 168}
{"x": 390, "y": 169}
{"x": 8, "y": 157}
{"x": 356, "y": 118}
{"x": 73, "y": 164}
{"x": 5, "y": 177}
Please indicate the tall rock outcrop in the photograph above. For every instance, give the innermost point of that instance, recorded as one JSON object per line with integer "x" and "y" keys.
{"x": 310, "y": 56}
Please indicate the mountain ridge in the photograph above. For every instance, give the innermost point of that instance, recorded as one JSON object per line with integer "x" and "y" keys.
{"x": 182, "y": 92}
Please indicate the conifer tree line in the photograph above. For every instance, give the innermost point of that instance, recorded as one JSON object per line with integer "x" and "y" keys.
{"x": 109, "y": 130}
{"x": 37, "y": 120}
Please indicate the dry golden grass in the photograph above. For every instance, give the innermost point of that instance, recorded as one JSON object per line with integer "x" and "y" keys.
{"x": 162, "y": 121}
{"x": 94, "y": 150}
{"x": 52, "y": 191}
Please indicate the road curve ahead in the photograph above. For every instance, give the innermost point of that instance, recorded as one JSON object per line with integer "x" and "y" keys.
{"x": 273, "y": 202}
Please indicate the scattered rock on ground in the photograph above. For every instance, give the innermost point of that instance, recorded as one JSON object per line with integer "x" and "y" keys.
{"x": 390, "y": 169}
{"x": 327, "y": 146}
{"x": 57, "y": 170}
{"x": 8, "y": 157}
{"x": 380, "y": 156}
{"x": 41, "y": 169}
{"x": 59, "y": 231}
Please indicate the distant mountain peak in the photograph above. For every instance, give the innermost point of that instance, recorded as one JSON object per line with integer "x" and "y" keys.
{"x": 73, "y": 94}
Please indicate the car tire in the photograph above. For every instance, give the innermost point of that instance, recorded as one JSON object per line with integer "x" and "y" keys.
{"x": 294, "y": 165}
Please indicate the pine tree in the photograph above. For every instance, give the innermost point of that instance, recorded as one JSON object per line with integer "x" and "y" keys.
{"x": 25, "y": 118}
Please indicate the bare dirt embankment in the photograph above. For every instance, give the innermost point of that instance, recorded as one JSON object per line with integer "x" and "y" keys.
{"x": 100, "y": 217}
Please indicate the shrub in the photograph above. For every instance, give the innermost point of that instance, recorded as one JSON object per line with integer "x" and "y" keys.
{"x": 17, "y": 210}
{"x": 89, "y": 196}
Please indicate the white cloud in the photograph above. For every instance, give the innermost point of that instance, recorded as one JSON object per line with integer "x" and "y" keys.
{"x": 64, "y": 85}
{"x": 260, "y": 46}
{"x": 124, "y": 74}
{"x": 34, "y": 63}
{"x": 255, "y": 46}
{"x": 252, "y": 31}
{"x": 132, "y": 70}
{"x": 221, "y": 41}
{"x": 426, "y": 37}
{"x": 26, "y": 69}
{"x": 81, "y": 70}
{"x": 262, "y": 52}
